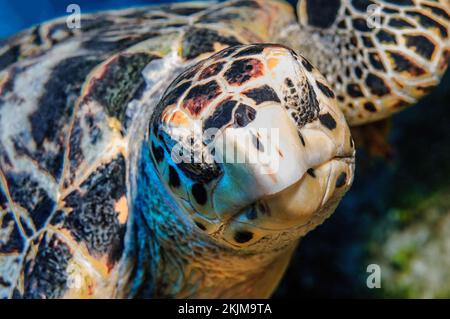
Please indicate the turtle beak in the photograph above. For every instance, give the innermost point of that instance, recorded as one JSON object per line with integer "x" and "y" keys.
{"x": 297, "y": 182}
{"x": 295, "y": 171}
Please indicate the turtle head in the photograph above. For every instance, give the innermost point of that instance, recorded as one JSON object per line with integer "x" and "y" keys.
{"x": 252, "y": 146}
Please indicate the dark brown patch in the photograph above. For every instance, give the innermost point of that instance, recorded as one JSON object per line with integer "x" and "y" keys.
{"x": 369, "y": 106}
{"x": 322, "y": 13}
{"x": 328, "y": 121}
{"x": 222, "y": 115}
{"x": 3, "y": 200}
{"x": 438, "y": 11}
{"x": 308, "y": 66}
{"x": 15, "y": 243}
{"x": 386, "y": 37}
{"x": 226, "y": 52}
{"x": 4, "y": 282}
{"x": 342, "y": 25}
{"x": 401, "y": 2}
{"x": 325, "y": 90}
{"x": 49, "y": 121}
{"x": 174, "y": 179}
{"x": 428, "y": 22}
{"x": 183, "y": 10}
{"x": 252, "y": 50}
{"x": 421, "y": 45}
{"x": 218, "y": 16}
{"x": 158, "y": 153}
{"x": 26, "y": 192}
{"x": 358, "y": 72}
{"x": 376, "y": 85}
{"x": 390, "y": 10}
{"x": 244, "y": 70}
{"x": 198, "y": 41}
{"x": 200, "y": 96}
{"x": 311, "y": 172}
{"x": 426, "y": 89}
{"x": 199, "y": 193}
{"x": 172, "y": 96}
{"x": 400, "y": 23}
{"x": 289, "y": 83}
{"x": 367, "y": 41}
{"x": 354, "y": 90}
{"x": 404, "y": 64}
{"x": 360, "y": 24}
{"x": 376, "y": 62}
{"x": 211, "y": 70}
{"x": 201, "y": 172}
{"x": 242, "y": 237}
{"x": 361, "y": 5}
{"x": 262, "y": 94}
{"x": 245, "y": 3}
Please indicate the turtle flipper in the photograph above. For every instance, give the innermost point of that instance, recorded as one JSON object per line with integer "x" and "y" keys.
{"x": 380, "y": 56}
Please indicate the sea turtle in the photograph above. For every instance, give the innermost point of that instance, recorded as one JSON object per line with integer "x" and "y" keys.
{"x": 111, "y": 182}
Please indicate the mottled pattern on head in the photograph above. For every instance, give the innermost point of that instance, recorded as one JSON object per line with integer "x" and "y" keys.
{"x": 239, "y": 89}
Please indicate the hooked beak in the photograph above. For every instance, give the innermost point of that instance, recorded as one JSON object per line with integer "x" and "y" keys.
{"x": 267, "y": 160}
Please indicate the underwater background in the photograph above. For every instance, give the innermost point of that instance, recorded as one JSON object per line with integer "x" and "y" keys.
{"x": 396, "y": 215}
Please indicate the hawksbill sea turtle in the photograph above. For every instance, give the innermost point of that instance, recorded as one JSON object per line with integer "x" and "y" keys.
{"x": 95, "y": 203}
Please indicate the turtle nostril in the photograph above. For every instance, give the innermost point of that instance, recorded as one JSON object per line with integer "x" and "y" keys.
{"x": 242, "y": 237}
{"x": 311, "y": 172}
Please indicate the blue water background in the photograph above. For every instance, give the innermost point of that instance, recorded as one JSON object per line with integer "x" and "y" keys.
{"x": 19, "y": 14}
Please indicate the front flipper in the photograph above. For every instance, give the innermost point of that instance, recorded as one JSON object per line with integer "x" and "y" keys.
{"x": 380, "y": 56}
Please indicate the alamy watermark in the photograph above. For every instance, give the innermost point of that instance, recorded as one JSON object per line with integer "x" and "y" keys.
{"x": 249, "y": 145}
{"x": 374, "y": 19}
{"x": 73, "y": 20}
{"x": 374, "y": 279}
